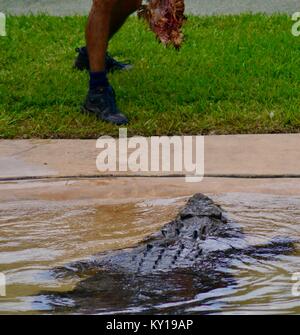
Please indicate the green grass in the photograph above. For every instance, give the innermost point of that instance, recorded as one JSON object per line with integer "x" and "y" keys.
{"x": 234, "y": 74}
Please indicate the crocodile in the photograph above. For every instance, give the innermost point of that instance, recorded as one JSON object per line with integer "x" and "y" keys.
{"x": 188, "y": 255}
{"x": 200, "y": 231}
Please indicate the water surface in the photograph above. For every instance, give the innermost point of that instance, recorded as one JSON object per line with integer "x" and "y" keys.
{"x": 38, "y": 235}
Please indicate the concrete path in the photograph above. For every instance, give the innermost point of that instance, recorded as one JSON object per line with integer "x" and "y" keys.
{"x": 201, "y": 7}
{"x": 225, "y": 156}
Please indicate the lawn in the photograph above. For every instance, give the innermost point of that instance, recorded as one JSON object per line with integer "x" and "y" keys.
{"x": 234, "y": 74}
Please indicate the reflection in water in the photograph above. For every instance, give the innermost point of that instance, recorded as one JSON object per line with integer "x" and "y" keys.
{"x": 37, "y": 236}
{"x": 105, "y": 293}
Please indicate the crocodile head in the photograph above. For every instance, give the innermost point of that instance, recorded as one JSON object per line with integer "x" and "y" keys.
{"x": 200, "y": 229}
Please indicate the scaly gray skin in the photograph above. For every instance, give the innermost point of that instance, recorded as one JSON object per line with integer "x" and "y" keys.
{"x": 187, "y": 257}
{"x": 180, "y": 244}
{"x": 200, "y": 231}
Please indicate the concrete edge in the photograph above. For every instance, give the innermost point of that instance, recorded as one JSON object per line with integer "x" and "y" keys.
{"x": 228, "y": 156}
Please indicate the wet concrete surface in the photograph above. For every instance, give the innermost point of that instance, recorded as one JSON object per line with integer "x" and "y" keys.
{"x": 201, "y": 7}
{"x": 123, "y": 190}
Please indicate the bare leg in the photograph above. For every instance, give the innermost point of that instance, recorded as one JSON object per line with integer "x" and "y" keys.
{"x": 105, "y": 19}
{"x": 97, "y": 32}
{"x": 121, "y": 11}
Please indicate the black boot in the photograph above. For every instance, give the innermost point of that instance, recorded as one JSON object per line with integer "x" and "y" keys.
{"x": 102, "y": 103}
{"x": 82, "y": 62}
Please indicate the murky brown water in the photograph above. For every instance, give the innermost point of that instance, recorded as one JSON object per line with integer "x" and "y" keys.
{"x": 38, "y": 235}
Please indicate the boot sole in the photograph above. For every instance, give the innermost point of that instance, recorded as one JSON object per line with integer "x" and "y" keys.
{"x": 86, "y": 111}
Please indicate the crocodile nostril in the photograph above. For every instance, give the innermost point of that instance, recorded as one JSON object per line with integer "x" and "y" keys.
{"x": 195, "y": 235}
{"x": 149, "y": 246}
{"x": 164, "y": 232}
{"x": 203, "y": 232}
